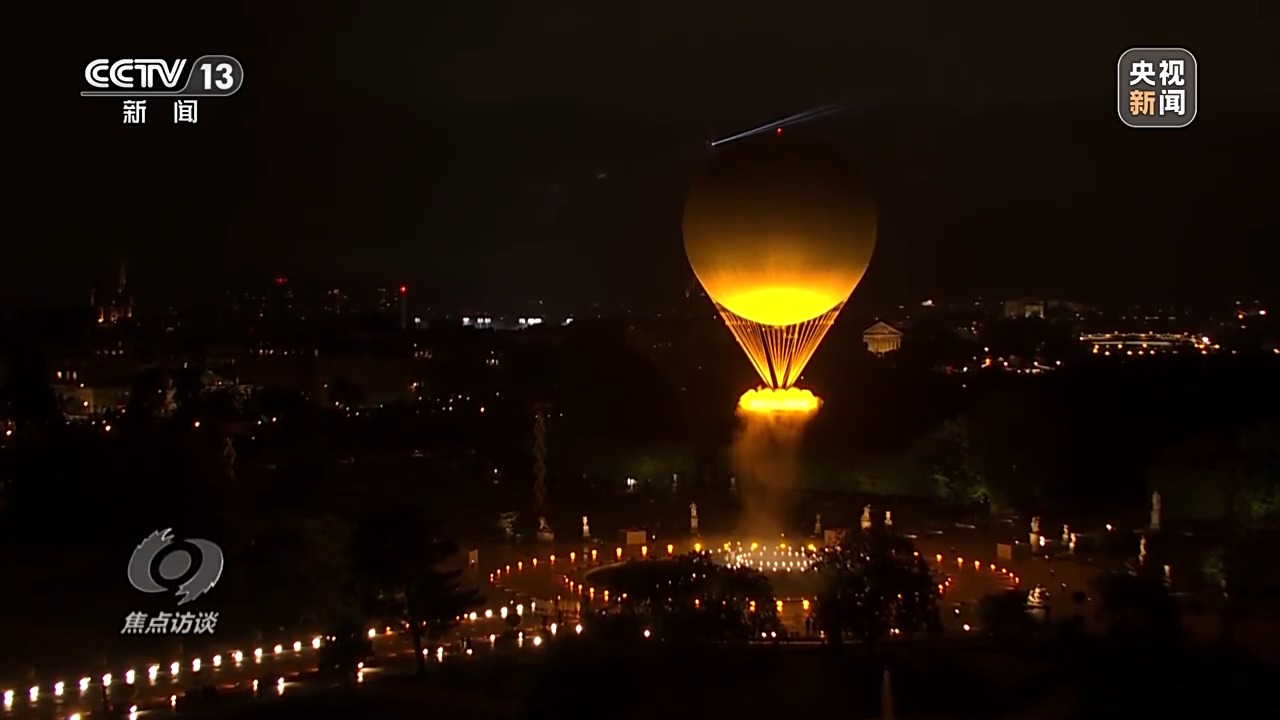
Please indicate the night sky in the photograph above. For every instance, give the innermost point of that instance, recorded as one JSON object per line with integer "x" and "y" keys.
{"x": 491, "y": 153}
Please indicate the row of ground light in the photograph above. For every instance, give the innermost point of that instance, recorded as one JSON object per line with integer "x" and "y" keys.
{"x": 234, "y": 660}
{"x": 87, "y": 684}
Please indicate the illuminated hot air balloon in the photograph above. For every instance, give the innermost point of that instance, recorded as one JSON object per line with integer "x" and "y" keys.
{"x": 779, "y": 232}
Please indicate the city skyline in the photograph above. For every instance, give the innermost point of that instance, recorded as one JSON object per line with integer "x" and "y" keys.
{"x": 334, "y": 294}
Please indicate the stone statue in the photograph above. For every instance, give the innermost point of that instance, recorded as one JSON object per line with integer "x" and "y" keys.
{"x": 1142, "y": 549}
{"x": 229, "y": 457}
{"x": 866, "y": 518}
{"x": 1072, "y": 546}
{"x": 1168, "y": 576}
{"x": 1066, "y": 534}
{"x": 1155, "y": 511}
{"x": 693, "y": 518}
{"x": 1035, "y": 532}
{"x": 542, "y": 524}
{"x": 886, "y": 697}
{"x": 888, "y": 518}
{"x": 817, "y": 525}
{"x": 507, "y": 521}
{"x": 586, "y": 527}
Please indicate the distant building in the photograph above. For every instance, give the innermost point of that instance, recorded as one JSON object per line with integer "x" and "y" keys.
{"x": 375, "y": 380}
{"x": 92, "y": 386}
{"x": 280, "y": 302}
{"x": 484, "y": 322}
{"x": 80, "y": 401}
{"x": 1024, "y": 308}
{"x": 882, "y": 338}
{"x": 275, "y": 302}
{"x": 337, "y": 303}
{"x": 1043, "y": 308}
{"x": 394, "y": 303}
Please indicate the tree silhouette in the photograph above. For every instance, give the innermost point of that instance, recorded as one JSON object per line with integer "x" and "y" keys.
{"x": 346, "y": 648}
{"x": 187, "y": 387}
{"x": 219, "y": 404}
{"x": 873, "y": 584}
{"x": 691, "y": 597}
{"x": 1192, "y": 479}
{"x": 147, "y": 396}
{"x": 346, "y": 392}
{"x": 304, "y": 563}
{"x": 398, "y": 558}
{"x": 944, "y": 458}
{"x": 26, "y": 396}
{"x": 1233, "y": 479}
{"x": 1258, "y": 502}
{"x": 1004, "y": 614}
{"x": 1137, "y": 607}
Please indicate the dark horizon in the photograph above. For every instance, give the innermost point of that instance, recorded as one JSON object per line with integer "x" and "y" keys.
{"x": 517, "y": 171}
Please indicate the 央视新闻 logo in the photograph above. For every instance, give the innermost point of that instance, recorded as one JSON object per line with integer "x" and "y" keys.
{"x": 1157, "y": 87}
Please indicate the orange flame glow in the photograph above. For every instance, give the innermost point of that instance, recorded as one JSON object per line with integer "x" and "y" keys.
{"x": 783, "y": 400}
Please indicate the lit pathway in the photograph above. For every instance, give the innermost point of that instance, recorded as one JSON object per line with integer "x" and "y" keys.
{"x": 160, "y": 684}
{"x": 535, "y": 582}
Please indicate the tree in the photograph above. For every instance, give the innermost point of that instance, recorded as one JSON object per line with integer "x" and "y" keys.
{"x": 348, "y": 646}
{"x": 874, "y": 584}
{"x": 304, "y": 564}
{"x": 187, "y": 387}
{"x": 1253, "y": 499}
{"x": 1259, "y": 469}
{"x": 896, "y": 474}
{"x": 219, "y": 404}
{"x": 1004, "y": 614}
{"x": 1222, "y": 478}
{"x": 1192, "y": 479}
{"x": 1137, "y": 607}
{"x": 944, "y": 458}
{"x": 398, "y": 558}
{"x": 1017, "y": 445}
{"x": 147, "y": 396}
{"x": 694, "y": 598}
{"x": 26, "y": 397}
{"x": 346, "y": 392}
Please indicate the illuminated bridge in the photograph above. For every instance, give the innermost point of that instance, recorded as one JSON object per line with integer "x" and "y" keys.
{"x": 1146, "y": 343}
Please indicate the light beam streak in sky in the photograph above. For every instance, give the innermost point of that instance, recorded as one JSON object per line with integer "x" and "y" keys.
{"x": 806, "y": 116}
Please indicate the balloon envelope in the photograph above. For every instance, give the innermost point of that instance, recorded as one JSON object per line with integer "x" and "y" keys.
{"x": 779, "y": 230}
